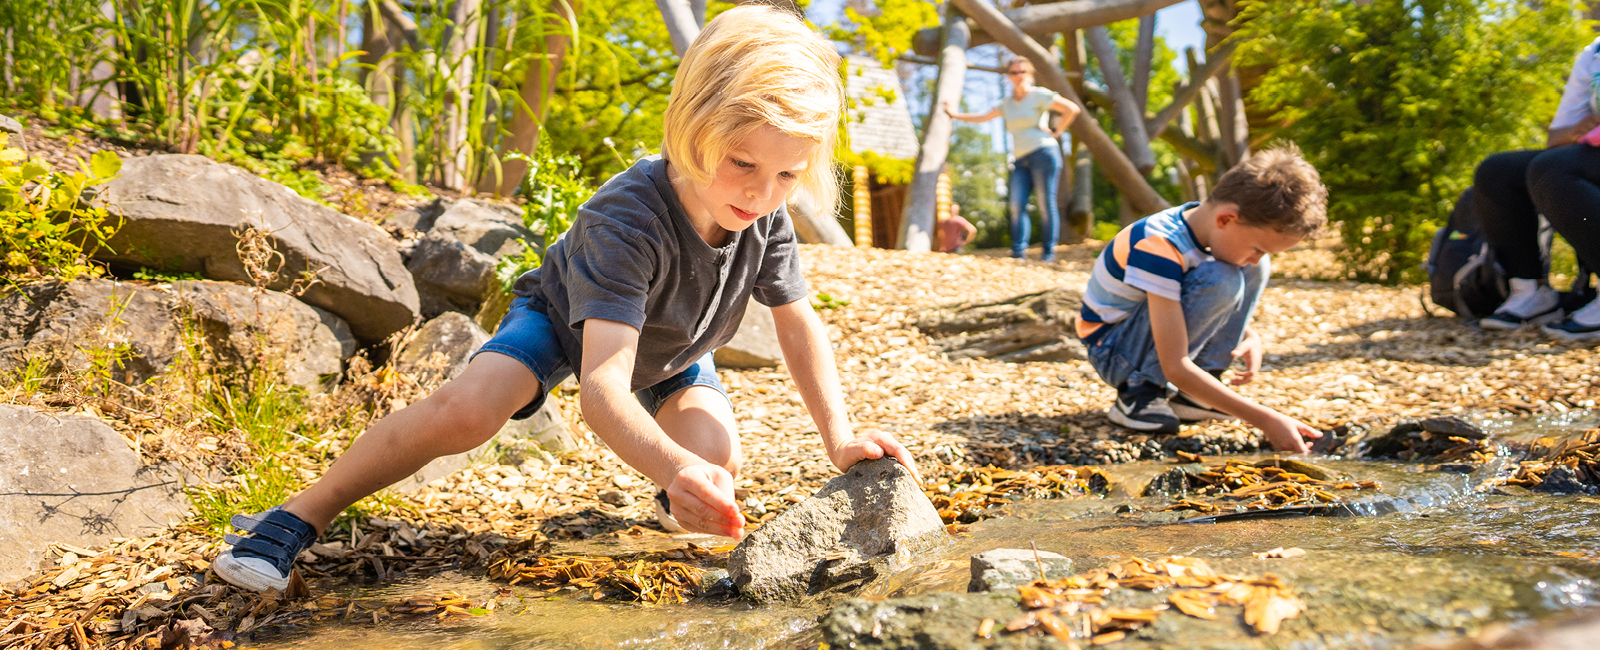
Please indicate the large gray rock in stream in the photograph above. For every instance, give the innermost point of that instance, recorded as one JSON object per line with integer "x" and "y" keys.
{"x": 454, "y": 263}
{"x": 943, "y": 621}
{"x": 81, "y": 325}
{"x": 755, "y": 344}
{"x": 240, "y": 323}
{"x": 71, "y": 479}
{"x": 870, "y": 521}
{"x": 1007, "y": 568}
{"x": 182, "y": 214}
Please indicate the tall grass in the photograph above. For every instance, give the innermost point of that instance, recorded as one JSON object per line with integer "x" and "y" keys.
{"x": 279, "y": 83}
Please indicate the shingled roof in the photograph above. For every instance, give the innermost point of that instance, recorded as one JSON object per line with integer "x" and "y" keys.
{"x": 876, "y": 126}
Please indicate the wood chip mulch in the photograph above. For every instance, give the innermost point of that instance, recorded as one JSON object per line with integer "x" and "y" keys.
{"x": 1338, "y": 353}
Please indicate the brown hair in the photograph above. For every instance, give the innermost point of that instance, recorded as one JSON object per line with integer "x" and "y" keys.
{"x": 1276, "y": 189}
{"x": 1025, "y": 62}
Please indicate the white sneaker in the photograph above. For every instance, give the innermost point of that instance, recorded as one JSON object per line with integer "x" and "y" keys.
{"x": 1530, "y": 303}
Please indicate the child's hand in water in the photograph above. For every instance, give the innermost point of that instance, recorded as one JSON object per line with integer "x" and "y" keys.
{"x": 702, "y": 501}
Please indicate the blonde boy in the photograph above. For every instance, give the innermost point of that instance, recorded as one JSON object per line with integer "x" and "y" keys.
{"x": 654, "y": 275}
{"x": 1170, "y": 299}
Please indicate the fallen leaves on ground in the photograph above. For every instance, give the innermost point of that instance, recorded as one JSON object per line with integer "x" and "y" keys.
{"x": 1581, "y": 457}
{"x": 654, "y": 578}
{"x": 1073, "y": 607}
{"x": 967, "y": 496}
{"x": 1263, "y": 485}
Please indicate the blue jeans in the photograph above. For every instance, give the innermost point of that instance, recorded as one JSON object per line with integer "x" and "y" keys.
{"x": 525, "y": 334}
{"x": 1041, "y": 170}
{"x": 1218, "y": 299}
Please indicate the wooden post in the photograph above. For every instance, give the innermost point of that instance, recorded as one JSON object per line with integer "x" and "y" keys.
{"x": 862, "y": 181}
{"x": 1046, "y": 18}
{"x": 1115, "y": 164}
{"x": 918, "y": 221}
{"x": 941, "y": 213}
{"x": 1080, "y": 213}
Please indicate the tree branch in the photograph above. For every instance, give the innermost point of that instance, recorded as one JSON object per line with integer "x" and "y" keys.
{"x": 1130, "y": 120}
{"x": 1048, "y": 19}
{"x": 1188, "y": 90}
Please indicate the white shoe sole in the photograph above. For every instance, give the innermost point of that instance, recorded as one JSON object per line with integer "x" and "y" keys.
{"x": 244, "y": 576}
{"x": 1119, "y": 417}
{"x": 1543, "y": 319}
{"x": 1569, "y": 337}
{"x": 1188, "y": 413}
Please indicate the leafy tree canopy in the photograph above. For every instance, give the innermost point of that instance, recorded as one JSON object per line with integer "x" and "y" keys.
{"x": 1396, "y": 102}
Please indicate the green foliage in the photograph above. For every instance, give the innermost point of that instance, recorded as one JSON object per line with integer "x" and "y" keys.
{"x": 48, "y": 228}
{"x": 887, "y": 169}
{"x": 977, "y": 183}
{"x": 1396, "y": 102}
{"x": 552, "y": 192}
{"x": 823, "y": 301}
{"x": 885, "y": 30}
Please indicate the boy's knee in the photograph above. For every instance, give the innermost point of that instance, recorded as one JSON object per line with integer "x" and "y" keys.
{"x": 1216, "y": 277}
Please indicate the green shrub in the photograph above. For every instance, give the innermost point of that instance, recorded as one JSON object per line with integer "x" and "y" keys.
{"x": 551, "y": 192}
{"x": 48, "y": 226}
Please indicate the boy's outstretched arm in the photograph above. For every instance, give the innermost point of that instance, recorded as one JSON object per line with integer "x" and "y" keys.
{"x": 701, "y": 492}
{"x": 810, "y": 359}
{"x": 1171, "y": 336}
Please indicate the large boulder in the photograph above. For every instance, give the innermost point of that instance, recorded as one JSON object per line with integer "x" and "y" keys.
{"x": 239, "y": 323}
{"x": 73, "y": 479}
{"x": 755, "y": 345}
{"x": 868, "y": 522}
{"x": 442, "y": 345}
{"x": 454, "y": 263}
{"x": 182, "y": 214}
{"x": 101, "y": 325}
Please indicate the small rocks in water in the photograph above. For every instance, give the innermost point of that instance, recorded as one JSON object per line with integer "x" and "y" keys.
{"x": 1564, "y": 480}
{"x": 715, "y": 584}
{"x": 874, "y": 518}
{"x": 1429, "y": 438}
{"x": 1007, "y": 568}
{"x": 928, "y": 621}
{"x": 616, "y": 498}
{"x": 1173, "y": 482}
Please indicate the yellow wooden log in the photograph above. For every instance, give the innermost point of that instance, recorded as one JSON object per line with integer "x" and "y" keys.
{"x": 941, "y": 210}
{"x": 863, "y": 205}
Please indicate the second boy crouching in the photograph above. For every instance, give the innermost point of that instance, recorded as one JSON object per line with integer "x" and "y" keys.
{"x": 1169, "y": 302}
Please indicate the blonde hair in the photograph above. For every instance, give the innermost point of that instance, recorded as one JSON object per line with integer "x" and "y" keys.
{"x": 752, "y": 66}
{"x": 1276, "y": 189}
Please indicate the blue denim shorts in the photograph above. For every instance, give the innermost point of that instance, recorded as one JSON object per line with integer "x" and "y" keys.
{"x": 526, "y": 334}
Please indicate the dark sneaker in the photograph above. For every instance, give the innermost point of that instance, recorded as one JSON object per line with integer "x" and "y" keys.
{"x": 1571, "y": 330}
{"x": 1144, "y": 408}
{"x": 264, "y": 559}
{"x": 1535, "y": 307}
{"x": 1189, "y": 409}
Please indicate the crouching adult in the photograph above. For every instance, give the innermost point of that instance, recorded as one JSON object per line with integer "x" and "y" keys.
{"x": 1562, "y": 182}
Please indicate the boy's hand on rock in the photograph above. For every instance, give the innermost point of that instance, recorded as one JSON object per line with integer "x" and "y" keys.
{"x": 1288, "y": 434}
{"x": 870, "y": 446}
{"x": 702, "y": 501}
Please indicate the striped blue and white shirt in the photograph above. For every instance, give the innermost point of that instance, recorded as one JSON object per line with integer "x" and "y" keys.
{"x": 1149, "y": 256}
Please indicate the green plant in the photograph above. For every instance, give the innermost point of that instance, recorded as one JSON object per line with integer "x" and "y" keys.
{"x": 823, "y": 301}
{"x": 1396, "y": 102}
{"x": 551, "y": 192}
{"x": 48, "y": 228}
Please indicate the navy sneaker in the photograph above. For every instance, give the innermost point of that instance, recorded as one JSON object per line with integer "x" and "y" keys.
{"x": 263, "y": 560}
{"x": 1577, "y": 327}
{"x": 1144, "y": 408}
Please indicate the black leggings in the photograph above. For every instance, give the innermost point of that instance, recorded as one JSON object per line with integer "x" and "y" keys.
{"x": 1513, "y": 188}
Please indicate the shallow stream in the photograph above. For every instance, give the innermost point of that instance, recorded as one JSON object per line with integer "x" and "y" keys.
{"x": 1463, "y": 559}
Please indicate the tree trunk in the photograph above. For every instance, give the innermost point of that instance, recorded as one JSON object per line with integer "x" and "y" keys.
{"x": 1117, "y": 168}
{"x": 1234, "y": 129}
{"x": 681, "y": 23}
{"x": 918, "y": 219}
{"x": 1142, "y": 53}
{"x": 1080, "y": 213}
{"x": 814, "y": 224}
{"x": 1051, "y": 18}
{"x": 538, "y": 85}
{"x": 1030, "y": 327}
{"x": 1124, "y": 105}
{"x": 1189, "y": 90}
{"x": 458, "y": 68}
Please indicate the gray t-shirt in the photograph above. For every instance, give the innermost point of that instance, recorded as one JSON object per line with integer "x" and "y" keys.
{"x": 633, "y": 257}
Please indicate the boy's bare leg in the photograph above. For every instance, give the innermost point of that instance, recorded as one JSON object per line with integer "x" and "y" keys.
{"x": 458, "y": 417}
{"x": 701, "y": 421}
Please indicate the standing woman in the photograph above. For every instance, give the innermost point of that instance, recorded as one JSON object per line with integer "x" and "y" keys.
{"x": 1037, "y": 148}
